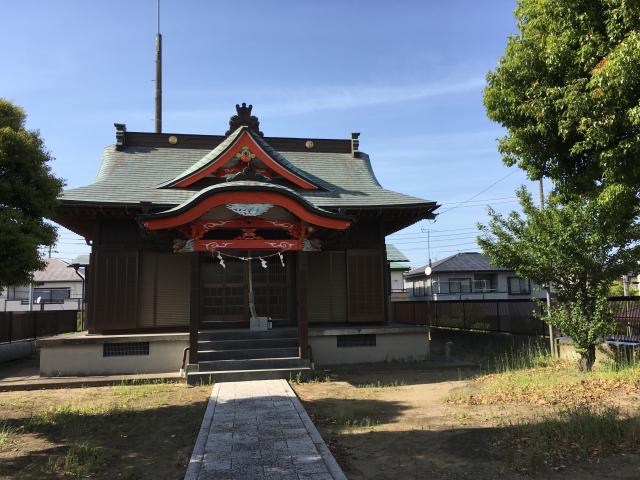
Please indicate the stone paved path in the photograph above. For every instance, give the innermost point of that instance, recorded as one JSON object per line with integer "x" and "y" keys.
{"x": 259, "y": 430}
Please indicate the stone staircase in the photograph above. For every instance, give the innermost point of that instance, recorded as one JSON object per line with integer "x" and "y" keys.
{"x": 235, "y": 355}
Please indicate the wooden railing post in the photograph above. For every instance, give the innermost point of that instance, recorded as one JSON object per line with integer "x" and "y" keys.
{"x": 303, "y": 325}
{"x": 464, "y": 316}
{"x": 194, "y": 313}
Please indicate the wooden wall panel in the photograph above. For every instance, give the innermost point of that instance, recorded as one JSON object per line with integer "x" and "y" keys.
{"x": 318, "y": 292}
{"x": 326, "y": 287}
{"x": 114, "y": 290}
{"x": 164, "y": 291}
{"x": 338, "y": 286}
{"x": 147, "y": 290}
{"x": 174, "y": 290}
{"x": 366, "y": 296}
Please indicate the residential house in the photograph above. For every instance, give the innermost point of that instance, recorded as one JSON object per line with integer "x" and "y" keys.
{"x": 398, "y": 265}
{"x": 203, "y": 242}
{"x": 57, "y": 287}
{"x": 467, "y": 276}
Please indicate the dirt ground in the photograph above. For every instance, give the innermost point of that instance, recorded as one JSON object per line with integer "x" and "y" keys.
{"x": 121, "y": 432}
{"x": 397, "y": 421}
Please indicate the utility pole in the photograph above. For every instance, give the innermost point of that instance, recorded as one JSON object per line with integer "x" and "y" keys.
{"x": 428, "y": 281}
{"x": 552, "y": 343}
{"x": 158, "y": 76}
{"x": 625, "y": 285}
{"x": 429, "y": 245}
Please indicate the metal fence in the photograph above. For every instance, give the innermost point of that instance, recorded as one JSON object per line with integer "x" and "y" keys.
{"x": 626, "y": 312}
{"x": 507, "y": 316}
{"x": 27, "y": 325}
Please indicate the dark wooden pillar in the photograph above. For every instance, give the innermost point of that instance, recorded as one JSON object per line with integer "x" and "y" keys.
{"x": 90, "y": 275}
{"x": 303, "y": 322}
{"x": 386, "y": 277}
{"x": 194, "y": 309}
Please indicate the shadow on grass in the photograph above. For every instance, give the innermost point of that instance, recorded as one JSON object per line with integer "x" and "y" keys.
{"x": 396, "y": 374}
{"x": 106, "y": 443}
{"x": 370, "y": 441}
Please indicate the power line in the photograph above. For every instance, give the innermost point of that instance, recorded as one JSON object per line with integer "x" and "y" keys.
{"x": 436, "y": 244}
{"x": 434, "y": 230}
{"x": 482, "y": 200}
{"x": 480, "y": 192}
{"x": 437, "y": 237}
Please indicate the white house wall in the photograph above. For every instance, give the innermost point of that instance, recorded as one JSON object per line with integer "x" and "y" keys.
{"x": 17, "y": 306}
{"x": 501, "y": 287}
{"x": 397, "y": 280}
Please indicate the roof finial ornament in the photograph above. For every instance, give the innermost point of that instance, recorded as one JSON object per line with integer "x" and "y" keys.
{"x": 244, "y": 117}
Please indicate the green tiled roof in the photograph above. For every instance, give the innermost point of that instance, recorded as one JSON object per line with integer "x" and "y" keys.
{"x": 136, "y": 173}
{"x": 395, "y": 255}
{"x": 399, "y": 266}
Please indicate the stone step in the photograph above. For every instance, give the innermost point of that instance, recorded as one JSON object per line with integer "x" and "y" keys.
{"x": 246, "y": 334}
{"x": 243, "y": 354}
{"x": 200, "y": 378}
{"x": 247, "y": 344}
{"x": 253, "y": 364}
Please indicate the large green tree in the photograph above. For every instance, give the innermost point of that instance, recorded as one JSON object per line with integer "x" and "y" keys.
{"x": 580, "y": 245}
{"x": 567, "y": 89}
{"x": 28, "y": 192}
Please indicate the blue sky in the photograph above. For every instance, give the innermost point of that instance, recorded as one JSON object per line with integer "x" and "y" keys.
{"x": 408, "y": 75}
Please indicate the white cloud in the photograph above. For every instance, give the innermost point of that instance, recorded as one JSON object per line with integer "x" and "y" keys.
{"x": 279, "y": 102}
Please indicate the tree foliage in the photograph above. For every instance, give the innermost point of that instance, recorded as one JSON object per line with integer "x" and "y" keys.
{"x": 567, "y": 89}
{"x": 617, "y": 290}
{"x": 580, "y": 245}
{"x": 28, "y": 192}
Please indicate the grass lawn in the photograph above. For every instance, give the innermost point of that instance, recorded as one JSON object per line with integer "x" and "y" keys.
{"x": 537, "y": 420}
{"x": 142, "y": 431}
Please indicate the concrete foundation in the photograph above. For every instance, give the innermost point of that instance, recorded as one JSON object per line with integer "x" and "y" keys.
{"x": 17, "y": 349}
{"x": 332, "y": 345}
{"x": 83, "y": 354}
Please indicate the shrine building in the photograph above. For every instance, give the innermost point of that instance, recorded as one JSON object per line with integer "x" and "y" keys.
{"x": 235, "y": 255}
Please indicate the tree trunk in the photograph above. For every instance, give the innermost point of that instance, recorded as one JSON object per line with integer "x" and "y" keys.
{"x": 587, "y": 359}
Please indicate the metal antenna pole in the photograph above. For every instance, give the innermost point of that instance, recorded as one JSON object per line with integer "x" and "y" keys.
{"x": 158, "y": 76}
{"x": 552, "y": 343}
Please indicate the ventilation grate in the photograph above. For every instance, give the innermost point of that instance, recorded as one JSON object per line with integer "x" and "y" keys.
{"x": 345, "y": 341}
{"x": 126, "y": 349}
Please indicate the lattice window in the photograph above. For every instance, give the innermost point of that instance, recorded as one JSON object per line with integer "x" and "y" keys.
{"x": 125, "y": 349}
{"x": 364, "y": 340}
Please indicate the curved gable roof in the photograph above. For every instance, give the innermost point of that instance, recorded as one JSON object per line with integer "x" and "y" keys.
{"x": 247, "y": 191}
{"x": 223, "y": 152}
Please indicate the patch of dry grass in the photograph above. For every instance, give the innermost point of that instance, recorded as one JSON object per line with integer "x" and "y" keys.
{"x": 7, "y": 434}
{"x": 556, "y": 384}
{"x": 568, "y": 435}
{"x": 139, "y": 431}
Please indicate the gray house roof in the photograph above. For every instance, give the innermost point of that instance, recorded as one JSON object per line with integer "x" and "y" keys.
{"x": 136, "y": 174}
{"x": 460, "y": 262}
{"x": 57, "y": 270}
